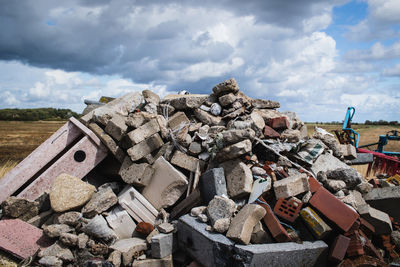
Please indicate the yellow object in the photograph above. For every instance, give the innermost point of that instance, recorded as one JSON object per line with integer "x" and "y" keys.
{"x": 317, "y": 226}
{"x": 395, "y": 179}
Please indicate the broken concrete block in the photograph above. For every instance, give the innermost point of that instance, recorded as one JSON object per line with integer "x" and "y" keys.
{"x": 348, "y": 151}
{"x": 335, "y": 185}
{"x": 348, "y": 175}
{"x": 150, "y": 97}
{"x": 270, "y": 132}
{"x": 177, "y": 120}
{"x": 98, "y": 227}
{"x": 264, "y": 104}
{"x": 129, "y": 247}
{"x": 212, "y": 183}
{"x": 82, "y": 240}
{"x": 55, "y": 230}
{"x": 291, "y": 136}
{"x": 243, "y": 223}
{"x": 317, "y": 226}
{"x": 68, "y": 239}
{"x": 115, "y": 258}
{"x": 226, "y": 87}
{"x": 143, "y": 132}
{"x": 138, "y": 174}
{"x": 57, "y": 250}
{"x": 335, "y": 210}
{"x": 184, "y": 102}
{"x": 195, "y": 148}
{"x": 20, "y": 238}
{"x": 145, "y": 147}
{"x": 239, "y": 179}
{"x": 219, "y": 208}
{"x": 165, "y": 228}
{"x": 386, "y": 200}
{"x": 291, "y": 186}
{"x": 234, "y": 151}
{"x": 164, "y": 262}
{"x": 234, "y": 112}
{"x": 166, "y": 186}
{"x": 260, "y": 236}
{"x": 20, "y": 208}
{"x": 354, "y": 198}
{"x": 227, "y": 99}
{"x": 207, "y": 118}
{"x": 70, "y": 218}
{"x": 326, "y": 162}
{"x": 379, "y": 219}
{"x": 116, "y": 127}
{"x": 51, "y": 261}
{"x": 185, "y": 161}
{"x": 100, "y": 201}
{"x": 120, "y": 221}
{"x": 162, "y": 245}
{"x": 69, "y": 192}
{"x": 237, "y": 135}
{"x": 222, "y": 225}
{"x": 259, "y": 187}
{"x": 136, "y": 205}
{"x": 112, "y": 146}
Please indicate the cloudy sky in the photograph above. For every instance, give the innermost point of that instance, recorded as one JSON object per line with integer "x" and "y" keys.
{"x": 315, "y": 57}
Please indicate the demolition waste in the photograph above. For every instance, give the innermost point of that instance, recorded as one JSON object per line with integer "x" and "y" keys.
{"x": 205, "y": 180}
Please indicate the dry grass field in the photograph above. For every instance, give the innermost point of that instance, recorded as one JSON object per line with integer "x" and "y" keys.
{"x": 18, "y": 139}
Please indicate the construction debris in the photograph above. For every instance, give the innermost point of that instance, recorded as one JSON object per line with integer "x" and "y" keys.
{"x": 219, "y": 179}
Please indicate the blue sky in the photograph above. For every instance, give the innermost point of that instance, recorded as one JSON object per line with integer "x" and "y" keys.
{"x": 315, "y": 57}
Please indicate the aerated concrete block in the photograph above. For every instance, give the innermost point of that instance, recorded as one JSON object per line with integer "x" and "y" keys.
{"x": 212, "y": 183}
{"x": 162, "y": 245}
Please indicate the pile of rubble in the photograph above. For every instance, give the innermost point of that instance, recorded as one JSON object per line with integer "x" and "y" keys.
{"x": 220, "y": 179}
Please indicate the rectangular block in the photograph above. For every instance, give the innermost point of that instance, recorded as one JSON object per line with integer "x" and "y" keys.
{"x": 120, "y": 221}
{"x": 317, "y": 226}
{"x": 314, "y": 184}
{"x": 185, "y": 161}
{"x": 334, "y": 209}
{"x": 339, "y": 248}
{"x": 21, "y": 239}
{"x": 379, "y": 219}
{"x": 144, "y": 131}
{"x": 280, "y": 123}
{"x": 177, "y": 120}
{"x": 277, "y": 231}
{"x": 145, "y": 147}
{"x": 355, "y": 245}
{"x": 136, "y": 205}
{"x": 116, "y": 127}
{"x": 213, "y": 183}
{"x": 385, "y": 199}
{"x": 291, "y": 186}
{"x": 288, "y": 209}
{"x": 162, "y": 245}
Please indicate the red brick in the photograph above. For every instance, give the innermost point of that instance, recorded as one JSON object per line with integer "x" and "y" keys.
{"x": 21, "y": 239}
{"x": 369, "y": 248}
{"x": 277, "y": 231}
{"x": 334, "y": 209}
{"x": 367, "y": 228}
{"x": 270, "y": 133}
{"x": 314, "y": 184}
{"x": 144, "y": 228}
{"x": 288, "y": 209}
{"x": 339, "y": 248}
{"x": 355, "y": 247}
{"x": 280, "y": 123}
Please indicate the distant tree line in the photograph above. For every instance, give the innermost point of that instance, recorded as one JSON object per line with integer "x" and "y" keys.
{"x": 36, "y": 114}
{"x": 381, "y": 122}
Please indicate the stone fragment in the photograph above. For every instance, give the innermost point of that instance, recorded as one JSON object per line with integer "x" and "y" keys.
{"x": 57, "y": 250}
{"x": 82, "y": 240}
{"x": 143, "y": 132}
{"x": 137, "y": 205}
{"x": 20, "y": 208}
{"x": 306, "y": 198}
{"x": 120, "y": 221}
{"x": 227, "y": 99}
{"x": 314, "y": 222}
{"x": 129, "y": 248}
{"x": 259, "y": 235}
{"x": 239, "y": 179}
{"x": 207, "y": 118}
{"x": 386, "y": 200}
{"x": 291, "y": 186}
{"x": 329, "y": 140}
{"x": 112, "y": 146}
{"x": 291, "y": 136}
{"x": 115, "y": 258}
{"x": 185, "y": 161}
{"x": 184, "y": 102}
{"x": 264, "y": 104}
{"x": 258, "y": 171}
{"x": 202, "y": 218}
{"x": 348, "y": 175}
{"x": 55, "y": 230}
{"x": 178, "y": 120}
{"x": 164, "y": 262}
{"x": 70, "y": 218}
{"x": 138, "y": 174}
{"x": 135, "y": 120}
{"x": 348, "y": 151}
{"x": 326, "y": 162}
{"x": 226, "y": 87}
{"x": 40, "y": 219}
{"x": 145, "y": 147}
{"x": 222, "y": 225}
{"x": 69, "y": 239}
{"x": 150, "y": 97}
{"x": 335, "y": 185}
{"x": 243, "y": 223}
{"x": 196, "y": 211}
{"x": 116, "y": 127}
{"x": 379, "y": 219}
{"x": 212, "y": 183}
{"x": 215, "y": 109}
{"x": 97, "y": 227}
{"x": 100, "y": 201}
{"x": 240, "y": 125}
{"x": 51, "y": 261}
{"x": 166, "y": 186}
{"x": 195, "y": 148}
{"x": 144, "y": 228}
{"x": 162, "y": 245}
{"x": 237, "y": 135}
{"x": 258, "y": 122}
{"x": 259, "y": 187}
{"x": 69, "y": 192}
{"x": 354, "y": 198}
{"x": 270, "y": 132}
{"x": 98, "y": 249}
{"x": 234, "y": 151}
{"x": 219, "y": 208}
{"x": 166, "y": 110}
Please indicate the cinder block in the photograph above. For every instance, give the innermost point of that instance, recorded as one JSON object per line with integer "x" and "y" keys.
{"x": 116, "y": 127}
{"x": 379, "y": 219}
{"x": 162, "y": 245}
{"x": 291, "y": 186}
{"x": 178, "y": 119}
{"x": 385, "y": 199}
{"x": 334, "y": 209}
{"x": 212, "y": 183}
{"x": 288, "y": 209}
{"x": 145, "y": 147}
{"x": 184, "y": 161}
{"x": 143, "y": 132}
{"x": 339, "y": 248}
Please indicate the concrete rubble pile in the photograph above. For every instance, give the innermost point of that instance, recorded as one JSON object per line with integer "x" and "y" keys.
{"x": 220, "y": 179}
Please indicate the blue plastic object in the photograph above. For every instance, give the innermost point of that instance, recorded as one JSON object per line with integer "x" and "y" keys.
{"x": 354, "y": 136}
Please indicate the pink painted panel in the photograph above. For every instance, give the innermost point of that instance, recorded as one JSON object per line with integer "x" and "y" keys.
{"x": 94, "y": 154}
{"x": 21, "y": 239}
{"x": 41, "y": 156}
